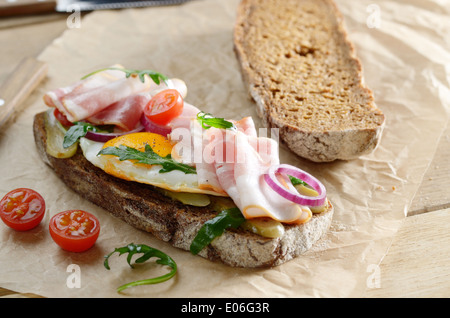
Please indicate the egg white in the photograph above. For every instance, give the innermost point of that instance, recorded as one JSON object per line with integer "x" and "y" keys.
{"x": 174, "y": 180}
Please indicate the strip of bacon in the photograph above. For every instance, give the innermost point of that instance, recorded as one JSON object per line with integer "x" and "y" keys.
{"x": 215, "y": 151}
{"x": 125, "y": 113}
{"x": 54, "y": 98}
{"x": 243, "y": 180}
{"x": 233, "y": 162}
{"x": 89, "y": 103}
{"x": 184, "y": 120}
{"x": 88, "y": 97}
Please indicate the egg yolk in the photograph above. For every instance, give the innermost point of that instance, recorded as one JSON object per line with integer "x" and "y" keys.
{"x": 160, "y": 144}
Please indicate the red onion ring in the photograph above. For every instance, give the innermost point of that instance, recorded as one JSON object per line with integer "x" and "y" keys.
{"x": 296, "y": 197}
{"x": 104, "y": 137}
{"x": 155, "y": 128}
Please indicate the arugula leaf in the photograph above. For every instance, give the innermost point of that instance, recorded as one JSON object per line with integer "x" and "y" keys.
{"x": 148, "y": 157}
{"x": 295, "y": 181}
{"x": 207, "y": 121}
{"x": 79, "y": 129}
{"x": 148, "y": 252}
{"x": 75, "y": 132}
{"x": 229, "y": 218}
{"x": 155, "y": 76}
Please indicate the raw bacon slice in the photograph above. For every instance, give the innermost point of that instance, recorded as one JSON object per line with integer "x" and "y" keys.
{"x": 233, "y": 162}
{"x": 54, "y": 98}
{"x": 212, "y": 152}
{"x": 125, "y": 113}
{"x": 244, "y": 182}
{"x": 86, "y": 104}
{"x": 184, "y": 120}
{"x": 92, "y": 95}
{"x": 185, "y": 134}
{"x": 219, "y": 148}
{"x": 216, "y": 149}
{"x": 247, "y": 126}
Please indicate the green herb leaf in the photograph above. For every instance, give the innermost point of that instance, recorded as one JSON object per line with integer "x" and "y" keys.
{"x": 229, "y": 218}
{"x": 295, "y": 181}
{"x": 75, "y": 132}
{"x": 155, "y": 76}
{"x": 80, "y": 129}
{"x": 147, "y": 157}
{"x": 207, "y": 121}
{"x": 148, "y": 252}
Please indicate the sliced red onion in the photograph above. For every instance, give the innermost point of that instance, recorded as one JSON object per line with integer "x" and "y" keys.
{"x": 296, "y": 197}
{"x": 155, "y": 128}
{"x": 104, "y": 137}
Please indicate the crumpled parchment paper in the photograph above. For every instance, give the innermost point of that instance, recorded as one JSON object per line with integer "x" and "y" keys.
{"x": 403, "y": 47}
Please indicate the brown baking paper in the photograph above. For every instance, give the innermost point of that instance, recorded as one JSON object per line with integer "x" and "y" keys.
{"x": 405, "y": 57}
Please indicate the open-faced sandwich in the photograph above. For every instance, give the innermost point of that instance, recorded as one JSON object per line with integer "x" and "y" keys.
{"x": 129, "y": 142}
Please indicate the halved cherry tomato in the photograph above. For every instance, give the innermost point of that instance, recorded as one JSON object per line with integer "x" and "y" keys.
{"x": 62, "y": 118}
{"x": 22, "y": 209}
{"x": 164, "y": 106}
{"x": 74, "y": 230}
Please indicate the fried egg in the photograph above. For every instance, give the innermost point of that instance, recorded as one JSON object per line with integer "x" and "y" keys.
{"x": 174, "y": 180}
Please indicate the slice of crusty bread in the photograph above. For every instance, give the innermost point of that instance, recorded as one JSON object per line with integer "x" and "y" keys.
{"x": 147, "y": 209}
{"x": 305, "y": 78}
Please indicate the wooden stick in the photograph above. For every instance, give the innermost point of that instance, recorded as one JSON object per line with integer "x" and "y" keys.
{"x": 24, "y": 7}
{"x": 25, "y": 78}
{"x": 6, "y": 293}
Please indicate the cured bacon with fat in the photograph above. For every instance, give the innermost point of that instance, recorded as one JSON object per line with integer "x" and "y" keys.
{"x": 57, "y": 97}
{"x": 243, "y": 180}
{"x": 108, "y": 97}
{"x": 91, "y": 102}
{"x": 233, "y": 162}
{"x": 126, "y": 113}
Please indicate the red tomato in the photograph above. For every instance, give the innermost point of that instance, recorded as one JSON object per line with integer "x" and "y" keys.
{"x": 22, "y": 209}
{"x": 164, "y": 106}
{"x": 62, "y": 118}
{"x": 74, "y": 230}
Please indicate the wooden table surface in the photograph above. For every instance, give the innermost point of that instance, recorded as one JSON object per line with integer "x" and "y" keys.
{"x": 418, "y": 262}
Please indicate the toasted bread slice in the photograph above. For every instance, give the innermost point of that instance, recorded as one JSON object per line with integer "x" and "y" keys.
{"x": 146, "y": 208}
{"x": 303, "y": 74}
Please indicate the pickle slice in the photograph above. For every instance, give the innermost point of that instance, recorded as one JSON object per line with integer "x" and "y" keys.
{"x": 305, "y": 190}
{"x": 222, "y": 203}
{"x": 264, "y": 226}
{"x": 310, "y": 192}
{"x": 195, "y": 199}
{"x": 55, "y": 137}
{"x": 317, "y": 209}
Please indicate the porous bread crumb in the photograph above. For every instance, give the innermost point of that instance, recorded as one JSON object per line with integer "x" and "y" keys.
{"x": 303, "y": 73}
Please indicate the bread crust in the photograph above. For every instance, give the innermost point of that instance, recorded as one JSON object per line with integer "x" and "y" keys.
{"x": 147, "y": 209}
{"x": 347, "y": 135}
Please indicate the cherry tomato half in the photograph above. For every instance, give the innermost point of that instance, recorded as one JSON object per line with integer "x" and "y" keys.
{"x": 62, "y": 118}
{"x": 74, "y": 230}
{"x": 22, "y": 209}
{"x": 164, "y": 106}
